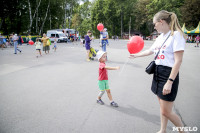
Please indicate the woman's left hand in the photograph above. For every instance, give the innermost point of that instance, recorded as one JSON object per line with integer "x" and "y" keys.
{"x": 167, "y": 88}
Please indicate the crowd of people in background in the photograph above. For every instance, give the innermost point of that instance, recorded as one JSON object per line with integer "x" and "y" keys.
{"x": 115, "y": 38}
{"x": 192, "y": 38}
{"x": 14, "y": 40}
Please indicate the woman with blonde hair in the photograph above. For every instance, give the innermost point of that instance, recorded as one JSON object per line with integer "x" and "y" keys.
{"x": 169, "y": 48}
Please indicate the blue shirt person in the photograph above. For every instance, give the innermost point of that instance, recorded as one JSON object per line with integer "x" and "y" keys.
{"x": 15, "y": 40}
{"x": 104, "y": 39}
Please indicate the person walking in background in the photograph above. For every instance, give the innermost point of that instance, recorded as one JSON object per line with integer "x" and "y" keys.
{"x": 170, "y": 47}
{"x": 1, "y": 41}
{"x": 44, "y": 40}
{"x": 92, "y": 38}
{"x": 15, "y": 39}
{"x": 82, "y": 41}
{"x": 20, "y": 40}
{"x": 103, "y": 79}
{"x": 55, "y": 45}
{"x": 38, "y": 47}
{"x": 28, "y": 38}
{"x": 197, "y": 39}
{"x": 75, "y": 39}
{"x": 87, "y": 44}
{"x": 10, "y": 40}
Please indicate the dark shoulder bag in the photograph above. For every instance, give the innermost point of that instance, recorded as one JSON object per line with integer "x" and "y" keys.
{"x": 150, "y": 69}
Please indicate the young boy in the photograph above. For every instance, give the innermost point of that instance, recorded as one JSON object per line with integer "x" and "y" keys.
{"x": 54, "y": 45}
{"x": 103, "y": 78}
{"x": 38, "y": 47}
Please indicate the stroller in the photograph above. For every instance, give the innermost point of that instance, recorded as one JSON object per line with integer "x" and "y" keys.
{"x": 93, "y": 53}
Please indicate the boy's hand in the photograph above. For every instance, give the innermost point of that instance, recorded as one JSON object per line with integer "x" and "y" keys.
{"x": 117, "y": 68}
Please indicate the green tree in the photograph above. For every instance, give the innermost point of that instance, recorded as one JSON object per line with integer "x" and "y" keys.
{"x": 97, "y": 15}
{"x": 142, "y": 23}
{"x": 170, "y": 5}
{"x": 191, "y": 10}
{"x": 84, "y": 12}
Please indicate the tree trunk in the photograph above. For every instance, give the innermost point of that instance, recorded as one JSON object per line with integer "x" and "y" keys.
{"x": 41, "y": 29}
{"x": 37, "y": 22}
{"x": 121, "y": 24}
{"x": 32, "y": 17}
{"x": 50, "y": 20}
{"x": 36, "y": 10}
{"x": 70, "y": 17}
{"x": 1, "y": 22}
{"x": 36, "y": 28}
{"x": 30, "y": 14}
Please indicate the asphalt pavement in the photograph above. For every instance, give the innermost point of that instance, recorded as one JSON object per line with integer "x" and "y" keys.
{"x": 56, "y": 93}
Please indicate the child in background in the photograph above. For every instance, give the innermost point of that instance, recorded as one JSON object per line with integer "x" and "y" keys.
{"x": 87, "y": 44}
{"x": 54, "y": 45}
{"x": 103, "y": 78}
{"x": 38, "y": 47}
{"x": 82, "y": 41}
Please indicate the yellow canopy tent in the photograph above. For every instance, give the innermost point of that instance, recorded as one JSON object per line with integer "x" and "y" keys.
{"x": 184, "y": 29}
{"x": 195, "y": 31}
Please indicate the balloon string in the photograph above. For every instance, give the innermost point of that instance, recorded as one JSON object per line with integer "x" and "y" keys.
{"x": 128, "y": 59}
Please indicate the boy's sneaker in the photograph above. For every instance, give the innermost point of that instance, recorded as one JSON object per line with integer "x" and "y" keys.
{"x": 100, "y": 102}
{"x": 114, "y": 104}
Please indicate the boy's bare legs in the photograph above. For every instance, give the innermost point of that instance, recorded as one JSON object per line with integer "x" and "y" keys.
{"x": 109, "y": 95}
{"x": 112, "y": 103}
{"x": 36, "y": 53}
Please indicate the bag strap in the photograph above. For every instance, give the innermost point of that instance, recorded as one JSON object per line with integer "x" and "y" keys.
{"x": 161, "y": 47}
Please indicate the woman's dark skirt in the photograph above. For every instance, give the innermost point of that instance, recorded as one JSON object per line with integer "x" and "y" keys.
{"x": 160, "y": 77}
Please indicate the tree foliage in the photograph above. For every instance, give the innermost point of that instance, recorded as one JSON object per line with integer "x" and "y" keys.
{"x": 22, "y": 16}
{"x": 191, "y": 13}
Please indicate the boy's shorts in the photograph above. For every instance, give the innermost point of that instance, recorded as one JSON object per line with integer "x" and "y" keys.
{"x": 103, "y": 85}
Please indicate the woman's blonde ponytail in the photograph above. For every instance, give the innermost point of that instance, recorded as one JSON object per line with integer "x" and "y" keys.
{"x": 174, "y": 24}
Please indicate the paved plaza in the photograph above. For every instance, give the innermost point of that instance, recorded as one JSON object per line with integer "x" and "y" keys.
{"x": 56, "y": 93}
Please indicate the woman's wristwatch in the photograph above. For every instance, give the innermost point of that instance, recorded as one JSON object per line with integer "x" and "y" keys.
{"x": 171, "y": 79}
